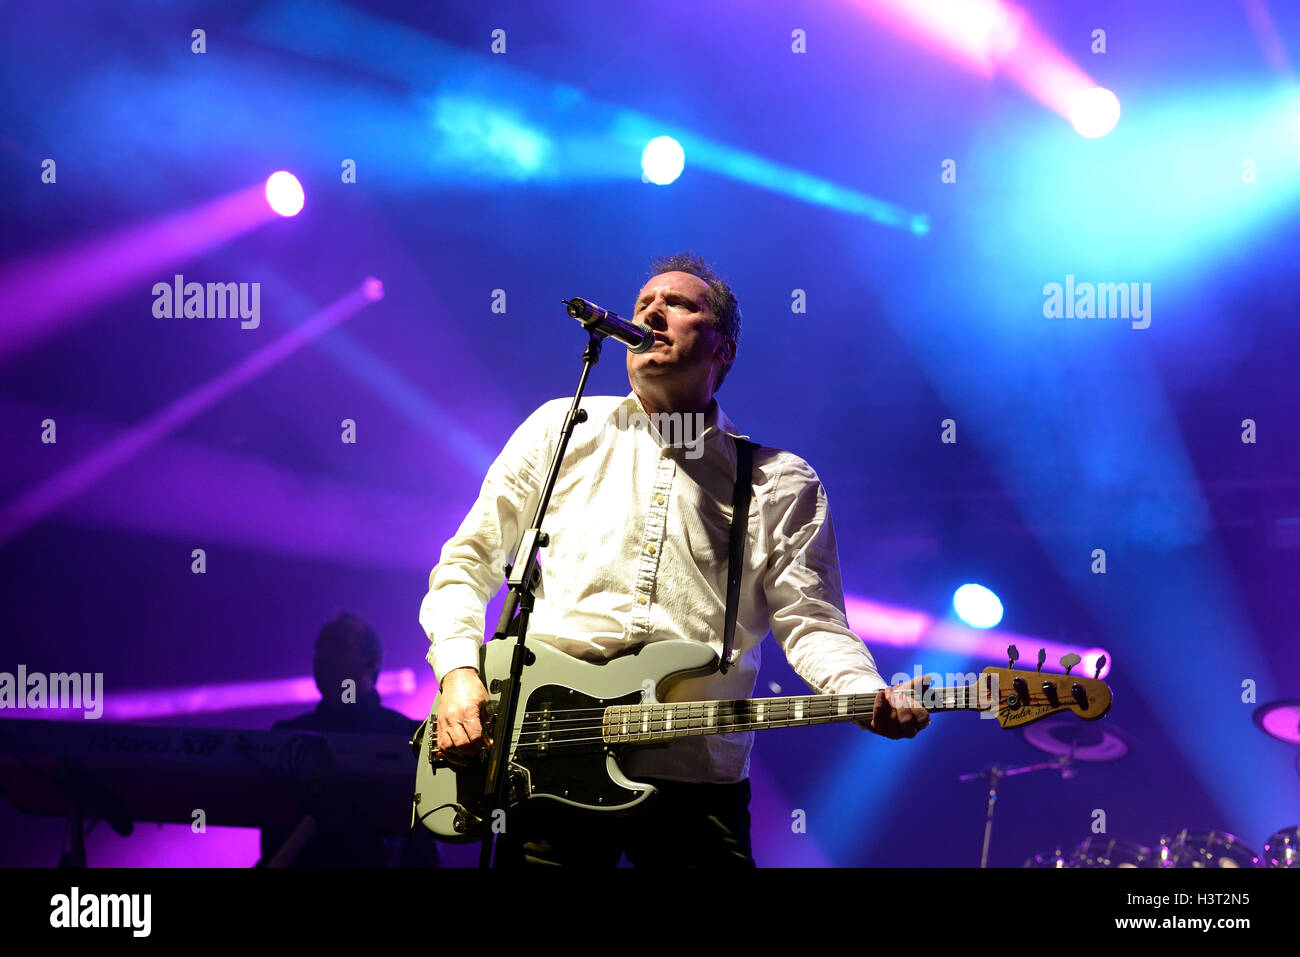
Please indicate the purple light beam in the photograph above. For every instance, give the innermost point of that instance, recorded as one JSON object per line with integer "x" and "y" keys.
{"x": 41, "y": 295}
{"x": 877, "y": 622}
{"x": 34, "y": 505}
{"x": 158, "y": 703}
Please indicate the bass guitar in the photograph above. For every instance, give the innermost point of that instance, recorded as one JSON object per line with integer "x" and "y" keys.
{"x": 575, "y": 719}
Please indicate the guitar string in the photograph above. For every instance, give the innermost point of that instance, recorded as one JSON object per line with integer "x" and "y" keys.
{"x": 732, "y": 728}
{"x": 951, "y": 694}
{"x": 852, "y": 714}
{"x": 615, "y": 724}
{"x": 950, "y": 697}
{"x": 729, "y": 728}
{"x": 684, "y": 732}
{"x": 781, "y": 705}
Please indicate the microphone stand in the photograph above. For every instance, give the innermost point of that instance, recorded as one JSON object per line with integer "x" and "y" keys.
{"x": 522, "y": 577}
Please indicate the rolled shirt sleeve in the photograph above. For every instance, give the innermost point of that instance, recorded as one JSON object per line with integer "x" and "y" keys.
{"x": 471, "y": 567}
{"x": 804, "y": 594}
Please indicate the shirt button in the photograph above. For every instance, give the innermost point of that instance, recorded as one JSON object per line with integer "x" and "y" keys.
{"x": 659, "y": 499}
{"x": 651, "y": 549}
{"x": 640, "y": 599}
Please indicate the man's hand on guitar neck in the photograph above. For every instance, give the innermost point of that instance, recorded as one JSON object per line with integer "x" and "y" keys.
{"x": 897, "y": 713}
{"x": 462, "y": 710}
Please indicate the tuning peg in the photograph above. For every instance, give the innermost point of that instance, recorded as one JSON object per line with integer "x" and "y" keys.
{"x": 1101, "y": 663}
{"x": 1012, "y": 656}
{"x": 1042, "y": 656}
{"x": 1069, "y": 661}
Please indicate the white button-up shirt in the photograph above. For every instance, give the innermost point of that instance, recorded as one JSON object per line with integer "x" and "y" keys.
{"x": 639, "y": 532}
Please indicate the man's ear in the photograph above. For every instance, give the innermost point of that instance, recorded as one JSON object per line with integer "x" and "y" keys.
{"x": 727, "y": 349}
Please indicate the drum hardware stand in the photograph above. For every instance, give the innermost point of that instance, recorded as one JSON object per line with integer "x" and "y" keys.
{"x": 996, "y": 772}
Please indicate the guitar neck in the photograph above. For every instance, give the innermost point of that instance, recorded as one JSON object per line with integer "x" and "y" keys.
{"x": 648, "y": 723}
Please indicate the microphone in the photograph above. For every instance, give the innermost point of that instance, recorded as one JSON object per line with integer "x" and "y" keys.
{"x": 636, "y": 336}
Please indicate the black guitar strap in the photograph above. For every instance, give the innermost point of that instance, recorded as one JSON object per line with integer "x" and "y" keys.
{"x": 736, "y": 560}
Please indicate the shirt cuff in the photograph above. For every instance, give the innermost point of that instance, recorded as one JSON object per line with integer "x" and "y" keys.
{"x": 865, "y": 684}
{"x": 449, "y": 654}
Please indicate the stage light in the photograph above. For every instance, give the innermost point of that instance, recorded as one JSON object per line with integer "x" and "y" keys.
{"x": 373, "y": 289}
{"x": 1094, "y": 112}
{"x": 996, "y": 37}
{"x": 284, "y": 193}
{"x": 977, "y": 606}
{"x": 662, "y": 160}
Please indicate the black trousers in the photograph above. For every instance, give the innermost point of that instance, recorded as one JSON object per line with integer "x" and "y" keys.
{"x": 682, "y": 826}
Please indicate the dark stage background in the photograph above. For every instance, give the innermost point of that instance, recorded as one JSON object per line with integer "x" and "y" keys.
{"x": 887, "y": 194}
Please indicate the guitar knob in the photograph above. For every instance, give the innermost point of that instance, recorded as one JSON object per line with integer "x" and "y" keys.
{"x": 1022, "y": 692}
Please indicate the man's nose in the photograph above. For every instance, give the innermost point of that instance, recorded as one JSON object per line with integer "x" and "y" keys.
{"x": 654, "y": 316}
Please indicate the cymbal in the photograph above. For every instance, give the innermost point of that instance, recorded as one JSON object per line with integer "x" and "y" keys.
{"x": 1280, "y": 719}
{"x": 1087, "y": 742}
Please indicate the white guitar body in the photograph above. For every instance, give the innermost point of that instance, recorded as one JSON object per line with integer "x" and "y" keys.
{"x": 554, "y": 755}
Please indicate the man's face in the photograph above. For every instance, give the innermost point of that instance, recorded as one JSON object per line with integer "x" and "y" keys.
{"x": 687, "y": 346}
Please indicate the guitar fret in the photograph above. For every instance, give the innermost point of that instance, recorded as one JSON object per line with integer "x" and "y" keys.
{"x": 659, "y": 721}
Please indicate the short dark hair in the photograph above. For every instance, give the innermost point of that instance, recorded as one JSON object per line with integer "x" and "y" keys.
{"x": 345, "y": 625}
{"x": 722, "y": 301}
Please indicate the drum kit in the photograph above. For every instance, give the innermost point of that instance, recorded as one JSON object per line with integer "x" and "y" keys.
{"x": 1070, "y": 742}
{"x": 1207, "y": 849}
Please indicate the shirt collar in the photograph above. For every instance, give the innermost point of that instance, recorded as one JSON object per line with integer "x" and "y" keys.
{"x": 715, "y": 420}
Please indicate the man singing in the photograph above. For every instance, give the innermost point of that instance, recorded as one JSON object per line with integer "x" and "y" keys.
{"x": 639, "y": 530}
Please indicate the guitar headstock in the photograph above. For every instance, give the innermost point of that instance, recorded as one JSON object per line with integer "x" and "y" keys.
{"x": 1028, "y": 696}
